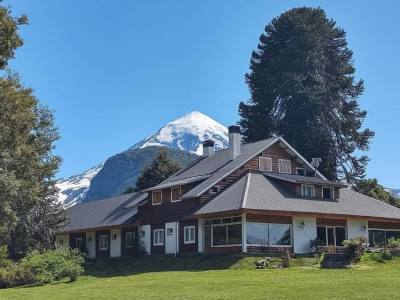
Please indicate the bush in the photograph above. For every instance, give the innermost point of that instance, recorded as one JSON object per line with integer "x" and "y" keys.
{"x": 54, "y": 265}
{"x": 386, "y": 255}
{"x": 286, "y": 256}
{"x": 356, "y": 248}
{"x": 5, "y": 262}
{"x": 15, "y": 275}
{"x": 393, "y": 246}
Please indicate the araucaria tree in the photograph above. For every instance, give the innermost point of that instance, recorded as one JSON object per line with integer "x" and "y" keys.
{"x": 29, "y": 212}
{"x": 161, "y": 168}
{"x": 302, "y": 87}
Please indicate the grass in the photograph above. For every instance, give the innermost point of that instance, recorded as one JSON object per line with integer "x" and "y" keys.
{"x": 220, "y": 277}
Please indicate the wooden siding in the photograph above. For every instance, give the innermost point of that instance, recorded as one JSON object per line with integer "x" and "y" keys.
{"x": 383, "y": 225}
{"x": 331, "y": 222}
{"x": 187, "y": 247}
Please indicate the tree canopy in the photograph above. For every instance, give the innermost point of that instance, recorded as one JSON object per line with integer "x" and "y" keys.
{"x": 302, "y": 87}
{"x": 372, "y": 188}
{"x": 161, "y": 168}
{"x": 29, "y": 212}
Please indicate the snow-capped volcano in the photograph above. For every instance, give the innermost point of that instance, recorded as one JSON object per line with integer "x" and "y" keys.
{"x": 185, "y": 133}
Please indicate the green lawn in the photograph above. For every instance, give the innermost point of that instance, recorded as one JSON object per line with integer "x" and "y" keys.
{"x": 220, "y": 278}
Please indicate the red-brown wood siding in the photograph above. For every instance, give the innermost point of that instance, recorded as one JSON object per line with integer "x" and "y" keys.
{"x": 383, "y": 225}
{"x": 331, "y": 222}
{"x": 187, "y": 247}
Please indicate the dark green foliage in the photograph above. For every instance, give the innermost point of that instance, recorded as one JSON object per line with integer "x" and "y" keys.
{"x": 54, "y": 265}
{"x": 161, "y": 168}
{"x": 302, "y": 87}
{"x": 29, "y": 213}
{"x": 372, "y": 188}
{"x": 15, "y": 275}
{"x": 9, "y": 37}
{"x": 356, "y": 248}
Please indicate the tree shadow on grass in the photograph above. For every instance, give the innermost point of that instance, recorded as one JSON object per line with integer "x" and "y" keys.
{"x": 110, "y": 267}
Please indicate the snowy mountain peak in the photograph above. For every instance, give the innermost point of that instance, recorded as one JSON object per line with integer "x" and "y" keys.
{"x": 187, "y": 133}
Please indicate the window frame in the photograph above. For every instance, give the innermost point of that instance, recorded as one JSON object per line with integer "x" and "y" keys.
{"x": 334, "y": 232}
{"x": 265, "y": 158}
{"x": 152, "y": 197}
{"x": 279, "y": 165}
{"x": 101, "y": 247}
{"x": 180, "y": 194}
{"x": 269, "y": 244}
{"x": 226, "y": 225}
{"x": 189, "y": 241}
{"x": 160, "y": 233}
{"x": 312, "y": 190}
{"x": 79, "y": 238}
{"x": 301, "y": 168}
{"x": 385, "y": 234}
{"x": 332, "y": 192}
{"x": 133, "y": 234}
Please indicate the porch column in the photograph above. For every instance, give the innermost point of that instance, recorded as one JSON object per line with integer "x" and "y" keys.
{"x": 244, "y": 234}
{"x": 200, "y": 235}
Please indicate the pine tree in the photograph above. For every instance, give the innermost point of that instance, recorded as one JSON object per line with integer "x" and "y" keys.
{"x": 161, "y": 168}
{"x": 302, "y": 87}
{"x": 29, "y": 212}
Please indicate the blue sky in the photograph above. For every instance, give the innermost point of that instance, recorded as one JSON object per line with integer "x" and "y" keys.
{"x": 115, "y": 71}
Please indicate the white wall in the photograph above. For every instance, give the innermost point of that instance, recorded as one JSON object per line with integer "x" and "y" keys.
{"x": 115, "y": 244}
{"x": 62, "y": 240}
{"x": 355, "y": 228}
{"x": 303, "y": 236}
{"x": 200, "y": 235}
{"x": 91, "y": 244}
{"x": 145, "y": 237}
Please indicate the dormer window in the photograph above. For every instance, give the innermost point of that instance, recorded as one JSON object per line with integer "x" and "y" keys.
{"x": 265, "y": 164}
{"x": 285, "y": 166}
{"x": 327, "y": 192}
{"x": 301, "y": 171}
{"x": 156, "y": 198}
{"x": 307, "y": 190}
{"x": 176, "y": 194}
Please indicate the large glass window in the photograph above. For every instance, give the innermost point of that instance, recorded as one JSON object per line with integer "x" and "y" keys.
{"x": 379, "y": 237}
{"x": 321, "y": 234}
{"x": 219, "y": 235}
{"x": 392, "y": 234}
{"x": 331, "y": 235}
{"x": 234, "y": 234}
{"x": 279, "y": 234}
{"x": 257, "y": 234}
{"x": 340, "y": 235}
{"x": 226, "y": 231}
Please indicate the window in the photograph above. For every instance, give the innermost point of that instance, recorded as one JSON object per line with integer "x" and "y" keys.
{"x": 331, "y": 235}
{"x": 327, "y": 192}
{"x": 189, "y": 234}
{"x": 225, "y": 231}
{"x": 170, "y": 231}
{"x": 265, "y": 164}
{"x": 175, "y": 194}
{"x": 129, "y": 239}
{"x": 301, "y": 171}
{"x": 285, "y": 166}
{"x": 321, "y": 234}
{"x": 103, "y": 242}
{"x": 158, "y": 237}
{"x": 78, "y": 243}
{"x": 380, "y": 237}
{"x": 340, "y": 233}
{"x": 307, "y": 190}
{"x": 257, "y": 234}
{"x": 263, "y": 234}
{"x": 156, "y": 198}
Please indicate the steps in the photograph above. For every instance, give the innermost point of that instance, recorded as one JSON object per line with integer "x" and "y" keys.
{"x": 336, "y": 261}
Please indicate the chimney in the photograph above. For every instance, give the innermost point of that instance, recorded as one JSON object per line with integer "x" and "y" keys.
{"x": 208, "y": 148}
{"x": 234, "y": 141}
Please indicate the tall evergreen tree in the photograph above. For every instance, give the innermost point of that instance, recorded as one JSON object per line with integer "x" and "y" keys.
{"x": 161, "y": 168}
{"x": 302, "y": 87}
{"x": 29, "y": 212}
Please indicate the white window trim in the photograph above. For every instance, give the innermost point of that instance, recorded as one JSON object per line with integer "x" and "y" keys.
{"x": 279, "y": 166}
{"x": 180, "y": 193}
{"x": 78, "y": 239}
{"x": 259, "y": 163}
{"x": 269, "y": 245}
{"x": 152, "y": 198}
{"x": 305, "y": 171}
{"x": 185, "y": 241}
{"x": 332, "y": 192}
{"x": 154, "y": 237}
{"x": 126, "y": 238}
{"x": 312, "y": 189}
{"x": 334, "y": 233}
{"x": 100, "y": 237}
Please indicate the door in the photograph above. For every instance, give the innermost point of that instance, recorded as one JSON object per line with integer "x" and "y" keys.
{"x": 171, "y": 238}
{"x": 331, "y": 240}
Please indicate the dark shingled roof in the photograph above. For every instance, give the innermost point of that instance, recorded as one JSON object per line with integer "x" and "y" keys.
{"x": 256, "y": 191}
{"x": 303, "y": 179}
{"x": 104, "y": 213}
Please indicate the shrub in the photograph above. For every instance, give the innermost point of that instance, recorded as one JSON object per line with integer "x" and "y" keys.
{"x": 356, "y": 248}
{"x": 54, "y": 265}
{"x": 393, "y": 246}
{"x": 4, "y": 260}
{"x": 286, "y": 256}
{"x": 378, "y": 257}
{"x": 316, "y": 246}
{"x": 15, "y": 275}
{"x": 386, "y": 255}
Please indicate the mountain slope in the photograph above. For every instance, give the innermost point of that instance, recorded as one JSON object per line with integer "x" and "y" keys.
{"x": 120, "y": 171}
